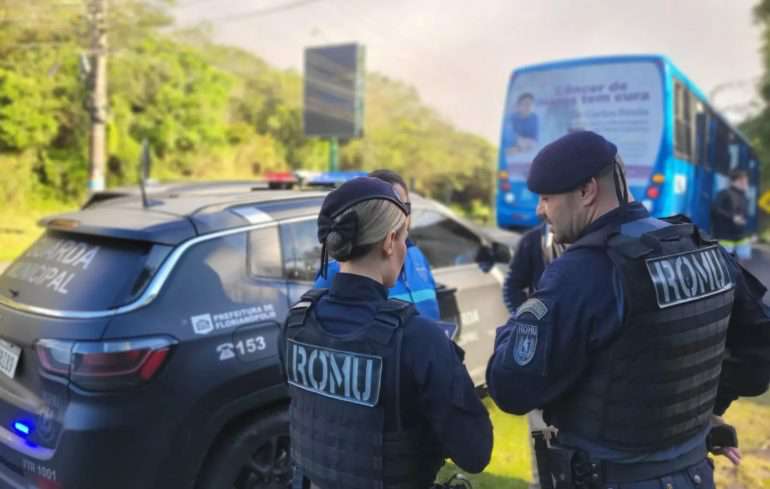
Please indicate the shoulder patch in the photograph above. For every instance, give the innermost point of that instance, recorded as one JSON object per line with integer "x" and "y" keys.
{"x": 525, "y": 343}
{"x": 533, "y": 306}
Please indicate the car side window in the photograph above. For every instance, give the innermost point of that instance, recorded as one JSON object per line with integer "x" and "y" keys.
{"x": 444, "y": 241}
{"x": 265, "y": 253}
{"x": 301, "y": 250}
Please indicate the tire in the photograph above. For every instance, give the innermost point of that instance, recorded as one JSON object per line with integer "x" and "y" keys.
{"x": 253, "y": 456}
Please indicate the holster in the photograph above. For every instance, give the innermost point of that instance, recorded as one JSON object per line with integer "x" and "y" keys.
{"x": 298, "y": 480}
{"x": 564, "y": 468}
{"x": 720, "y": 437}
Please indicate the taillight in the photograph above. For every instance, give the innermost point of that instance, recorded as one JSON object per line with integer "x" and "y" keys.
{"x": 105, "y": 365}
{"x": 43, "y": 483}
{"x": 505, "y": 186}
{"x": 653, "y": 192}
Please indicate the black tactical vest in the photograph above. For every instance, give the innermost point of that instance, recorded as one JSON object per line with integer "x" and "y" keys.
{"x": 339, "y": 388}
{"x": 655, "y": 385}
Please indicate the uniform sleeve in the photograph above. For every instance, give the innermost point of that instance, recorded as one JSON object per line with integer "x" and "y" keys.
{"x": 542, "y": 351}
{"x": 331, "y": 270}
{"x": 448, "y": 398}
{"x": 746, "y": 368}
{"x": 519, "y": 275}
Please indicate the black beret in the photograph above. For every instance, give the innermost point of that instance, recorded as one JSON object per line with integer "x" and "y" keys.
{"x": 570, "y": 161}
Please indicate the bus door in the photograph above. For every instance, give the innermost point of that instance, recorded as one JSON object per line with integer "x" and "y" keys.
{"x": 703, "y": 175}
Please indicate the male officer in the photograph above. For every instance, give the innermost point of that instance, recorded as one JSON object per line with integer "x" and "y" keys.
{"x": 636, "y": 336}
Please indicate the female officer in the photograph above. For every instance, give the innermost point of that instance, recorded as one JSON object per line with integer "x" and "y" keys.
{"x": 415, "y": 283}
{"x": 379, "y": 396}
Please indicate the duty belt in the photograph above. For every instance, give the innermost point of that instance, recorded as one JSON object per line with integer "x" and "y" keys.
{"x": 568, "y": 468}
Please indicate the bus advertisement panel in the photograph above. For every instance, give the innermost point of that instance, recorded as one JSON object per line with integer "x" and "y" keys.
{"x": 623, "y": 101}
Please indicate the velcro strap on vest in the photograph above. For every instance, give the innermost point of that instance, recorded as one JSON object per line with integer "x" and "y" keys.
{"x": 298, "y": 312}
{"x": 675, "y": 232}
{"x": 313, "y": 295}
{"x": 596, "y": 239}
{"x": 390, "y": 316}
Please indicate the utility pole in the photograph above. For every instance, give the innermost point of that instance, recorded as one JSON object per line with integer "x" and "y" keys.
{"x": 98, "y": 95}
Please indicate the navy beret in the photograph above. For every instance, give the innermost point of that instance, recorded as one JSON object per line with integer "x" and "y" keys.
{"x": 570, "y": 161}
{"x": 343, "y": 198}
{"x": 351, "y": 193}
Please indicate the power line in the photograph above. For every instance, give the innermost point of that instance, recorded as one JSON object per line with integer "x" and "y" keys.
{"x": 263, "y": 12}
{"x": 193, "y": 2}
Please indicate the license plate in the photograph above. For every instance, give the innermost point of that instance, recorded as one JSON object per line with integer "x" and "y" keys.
{"x": 9, "y": 358}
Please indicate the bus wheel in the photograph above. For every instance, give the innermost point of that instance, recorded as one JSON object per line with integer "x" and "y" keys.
{"x": 253, "y": 456}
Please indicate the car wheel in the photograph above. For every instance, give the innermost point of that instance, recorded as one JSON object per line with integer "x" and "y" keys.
{"x": 254, "y": 456}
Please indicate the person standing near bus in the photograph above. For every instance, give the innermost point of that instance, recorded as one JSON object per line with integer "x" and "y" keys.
{"x": 415, "y": 283}
{"x": 730, "y": 216}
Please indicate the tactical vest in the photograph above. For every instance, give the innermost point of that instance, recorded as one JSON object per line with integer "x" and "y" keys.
{"x": 654, "y": 386}
{"x": 339, "y": 387}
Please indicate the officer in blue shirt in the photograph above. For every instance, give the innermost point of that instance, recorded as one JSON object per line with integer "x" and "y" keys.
{"x": 379, "y": 396}
{"x": 636, "y": 337}
{"x": 415, "y": 283}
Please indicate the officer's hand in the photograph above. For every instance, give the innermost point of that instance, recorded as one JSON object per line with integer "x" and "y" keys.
{"x": 732, "y": 453}
{"x": 739, "y": 220}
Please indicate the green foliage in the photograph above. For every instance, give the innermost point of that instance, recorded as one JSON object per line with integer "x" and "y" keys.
{"x": 208, "y": 111}
{"x": 27, "y": 112}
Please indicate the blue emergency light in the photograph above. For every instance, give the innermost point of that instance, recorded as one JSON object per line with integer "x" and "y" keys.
{"x": 23, "y": 428}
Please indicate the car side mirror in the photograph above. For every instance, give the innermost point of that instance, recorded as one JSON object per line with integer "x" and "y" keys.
{"x": 492, "y": 253}
{"x": 501, "y": 253}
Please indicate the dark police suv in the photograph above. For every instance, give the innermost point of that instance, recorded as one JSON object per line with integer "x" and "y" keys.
{"x": 138, "y": 344}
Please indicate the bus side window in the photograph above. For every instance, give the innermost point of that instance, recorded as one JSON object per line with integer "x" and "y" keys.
{"x": 722, "y": 148}
{"x": 684, "y": 122}
{"x": 702, "y": 139}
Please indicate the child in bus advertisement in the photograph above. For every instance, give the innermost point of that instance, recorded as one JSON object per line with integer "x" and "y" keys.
{"x": 522, "y": 125}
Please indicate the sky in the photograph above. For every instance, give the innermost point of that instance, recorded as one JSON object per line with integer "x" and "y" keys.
{"x": 459, "y": 54}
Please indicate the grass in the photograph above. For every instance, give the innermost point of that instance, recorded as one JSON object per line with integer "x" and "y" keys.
{"x": 18, "y": 227}
{"x": 510, "y": 467}
{"x": 751, "y": 417}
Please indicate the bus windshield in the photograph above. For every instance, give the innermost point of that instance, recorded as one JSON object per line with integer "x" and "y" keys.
{"x": 623, "y": 101}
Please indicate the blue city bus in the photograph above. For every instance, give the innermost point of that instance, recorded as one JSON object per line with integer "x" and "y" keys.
{"x": 676, "y": 148}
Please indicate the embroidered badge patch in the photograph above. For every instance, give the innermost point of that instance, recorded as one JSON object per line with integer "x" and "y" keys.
{"x": 525, "y": 344}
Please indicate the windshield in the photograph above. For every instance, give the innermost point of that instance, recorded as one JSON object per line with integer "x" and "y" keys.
{"x": 621, "y": 101}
